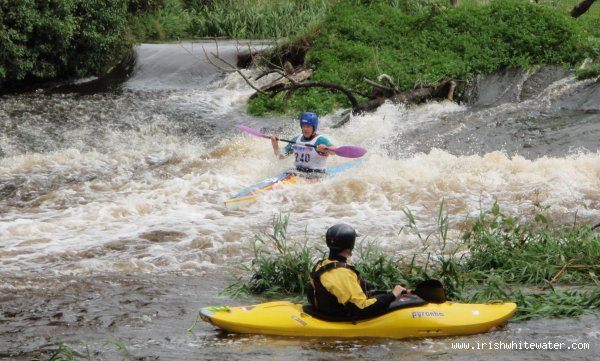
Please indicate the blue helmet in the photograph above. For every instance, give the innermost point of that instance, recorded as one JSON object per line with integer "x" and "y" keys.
{"x": 308, "y": 118}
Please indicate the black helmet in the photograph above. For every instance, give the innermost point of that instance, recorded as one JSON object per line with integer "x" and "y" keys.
{"x": 340, "y": 236}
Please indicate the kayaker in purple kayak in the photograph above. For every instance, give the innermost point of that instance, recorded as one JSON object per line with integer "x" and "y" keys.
{"x": 309, "y": 148}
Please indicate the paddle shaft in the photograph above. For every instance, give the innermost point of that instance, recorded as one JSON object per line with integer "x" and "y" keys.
{"x": 347, "y": 151}
{"x": 292, "y": 142}
{"x": 257, "y": 133}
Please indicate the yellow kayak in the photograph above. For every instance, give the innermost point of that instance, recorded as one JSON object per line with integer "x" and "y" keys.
{"x": 426, "y": 320}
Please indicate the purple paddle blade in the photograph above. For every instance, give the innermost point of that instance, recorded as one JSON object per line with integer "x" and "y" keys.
{"x": 252, "y": 131}
{"x": 349, "y": 151}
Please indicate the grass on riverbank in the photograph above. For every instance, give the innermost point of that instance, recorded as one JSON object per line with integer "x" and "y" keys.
{"x": 357, "y": 42}
{"x": 236, "y": 19}
{"x": 549, "y": 270}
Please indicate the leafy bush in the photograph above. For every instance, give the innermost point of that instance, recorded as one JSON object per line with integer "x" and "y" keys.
{"x": 44, "y": 40}
{"x": 588, "y": 72}
{"x": 101, "y": 40}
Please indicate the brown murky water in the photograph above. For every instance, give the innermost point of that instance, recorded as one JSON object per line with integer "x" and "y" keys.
{"x": 150, "y": 315}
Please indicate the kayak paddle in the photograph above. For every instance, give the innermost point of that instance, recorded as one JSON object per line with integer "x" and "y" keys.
{"x": 346, "y": 151}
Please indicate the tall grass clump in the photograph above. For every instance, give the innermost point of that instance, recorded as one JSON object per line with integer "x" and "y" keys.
{"x": 279, "y": 266}
{"x": 257, "y": 19}
{"x": 169, "y": 21}
{"x": 534, "y": 253}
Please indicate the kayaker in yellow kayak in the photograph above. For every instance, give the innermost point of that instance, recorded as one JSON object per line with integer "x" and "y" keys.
{"x": 336, "y": 288}
{"x": 309, "y": 148}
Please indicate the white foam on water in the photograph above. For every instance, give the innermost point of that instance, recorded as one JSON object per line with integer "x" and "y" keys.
{"x": 156, "y": 202}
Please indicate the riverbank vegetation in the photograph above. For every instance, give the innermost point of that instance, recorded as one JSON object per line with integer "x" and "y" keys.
{"x": 356, "y": 44}
{"x": 54, "y": 40}
{"x": 417, "y": 43}
{"x": 549, "y": 270}
{"x": 235, "y": 19}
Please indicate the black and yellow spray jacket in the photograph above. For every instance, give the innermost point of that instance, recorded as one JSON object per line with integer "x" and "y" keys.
{"x": 336, "y": 289}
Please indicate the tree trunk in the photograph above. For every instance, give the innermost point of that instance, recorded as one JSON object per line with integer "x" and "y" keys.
{"x": 581, "y": 8}
{"x": 453, "y": 2}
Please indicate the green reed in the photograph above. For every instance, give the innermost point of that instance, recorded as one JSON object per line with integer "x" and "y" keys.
{"x": 548, "y": 269}
{"x": 279, "y": 266}
{"x": 532, "y": 253}
{"x": 228, "y": 19}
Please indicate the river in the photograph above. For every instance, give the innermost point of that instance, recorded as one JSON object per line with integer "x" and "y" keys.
{"x": 113, "y": 227}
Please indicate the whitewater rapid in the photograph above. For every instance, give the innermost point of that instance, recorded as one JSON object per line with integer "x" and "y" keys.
{"x": 135, "y": 180}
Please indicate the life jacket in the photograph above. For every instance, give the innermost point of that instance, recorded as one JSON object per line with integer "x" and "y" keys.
{"x": 307, "y": 159}
{"x": 322, "y": 300}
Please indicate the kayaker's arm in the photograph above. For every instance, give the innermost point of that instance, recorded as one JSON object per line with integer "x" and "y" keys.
{"x": 276, "y": 151}
{"x": 380, "y": 306}
{"x": 342, "y": 283}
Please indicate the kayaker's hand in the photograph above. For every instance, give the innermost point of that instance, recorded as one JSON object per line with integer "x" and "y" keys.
{"x": 275, "y": 144}
{"x": 323, "y": 149}
{"x": 399, "y": 291}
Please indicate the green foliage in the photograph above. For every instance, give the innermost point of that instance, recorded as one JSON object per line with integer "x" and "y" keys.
{"x": 168, "y": 21}
{"x": 427, "y": 42}
{"x": 228, "y": 18}
{"x": 262, "y": 104}
{"x": 101, "y": 40}
{"x": 278, "y": 268}
{"x": 504, "y": 255}
{"x": 144, "y": 6}
{"x": 34, "y": 39}
{"x": 531, "y": 253}
{"x": 591, "y": 71}
{"x": 60, "y": 39}
{"x": 556, "y": 303}
{"x": 378, "y": 268}
{"x": 306, "y": 99}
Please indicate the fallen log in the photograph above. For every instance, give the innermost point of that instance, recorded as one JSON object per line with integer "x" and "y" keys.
{"x": 581, "y": 8}
{"x": 384, "y": 89}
